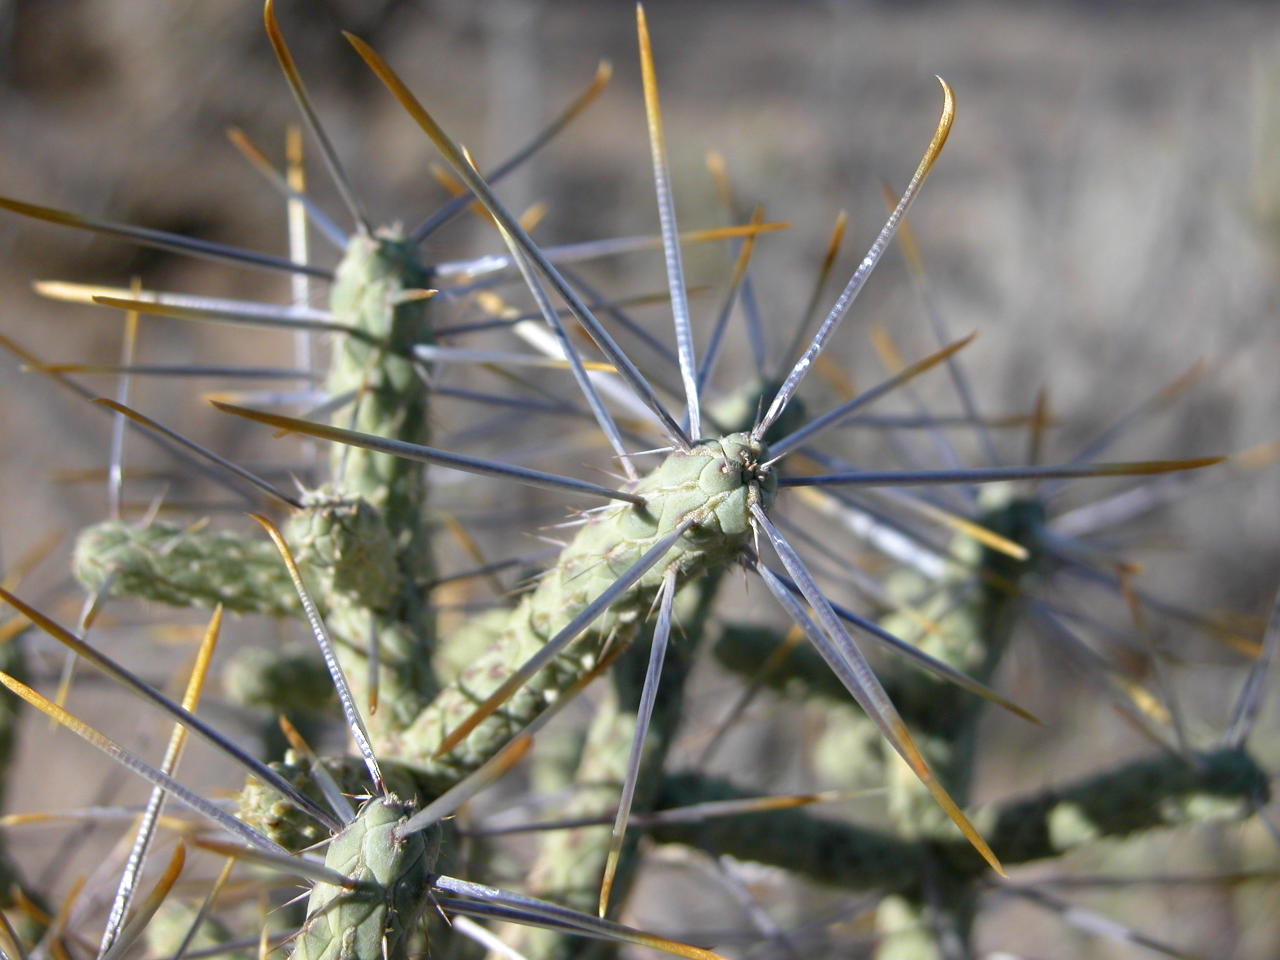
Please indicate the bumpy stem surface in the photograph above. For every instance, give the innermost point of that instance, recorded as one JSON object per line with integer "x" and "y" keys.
{"x": 712, "y": 484}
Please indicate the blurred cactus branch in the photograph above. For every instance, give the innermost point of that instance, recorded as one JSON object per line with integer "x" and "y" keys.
{"x": 1147, "y": 794}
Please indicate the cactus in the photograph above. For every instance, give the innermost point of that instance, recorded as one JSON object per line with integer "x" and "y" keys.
{"x": 392, "y": 877}
{"x": 438, "y": 708}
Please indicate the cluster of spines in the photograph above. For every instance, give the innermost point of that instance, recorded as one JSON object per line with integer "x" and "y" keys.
{"x": 626, "y": 559}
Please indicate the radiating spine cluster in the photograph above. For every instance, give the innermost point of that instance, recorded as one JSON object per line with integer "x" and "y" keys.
{"x": 358, "y": 566}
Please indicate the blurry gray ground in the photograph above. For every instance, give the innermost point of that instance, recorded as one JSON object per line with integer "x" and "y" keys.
{"x": 1106, "y": 212}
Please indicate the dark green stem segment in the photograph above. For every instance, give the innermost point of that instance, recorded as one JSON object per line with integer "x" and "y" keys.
{"x": 1147, "y": 794}
{"x": 827, "y": 851}
{"x": 1134, "y": 798}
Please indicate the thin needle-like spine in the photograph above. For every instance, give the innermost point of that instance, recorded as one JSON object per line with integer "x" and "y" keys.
{"x": 552, "y": 648}
{"x": 1215, "y": 627}
{"x": 456, "y": 159}
{"x": 295, "y": 195}
{"x": 542, "y": 340}
{"x": 819, "y": 284}
{"x": 1107, "y": 437}
{"x": 115, "y": 470}
{"x": 178, "y": 370}
{"x": 300, "y": 250}
{"x": 509, "y": 755}
{"x": 495, "y": 946}
{"x": 143, "y": 769}
{"x": 863, "y": 272}
{"x": 548, "y": 405}
{"x": 495, "y": 566}
{"x": 692, "y": 813}
{"x": 1095, "y": 924}
{"x": 354, "y": 722}
{"x": 613, "y": 308}
{"x": 1119, "y": 509}
{"x": 738, "y": 709}
{"x": 1249, "y": 704}
{"x": 843, "y": 656}
{"x": 736, "y": 280}
{"x": 960, "y": 381}
{"x": 598, "y": 303}
{"x": 593, "y": 249}
{"x": 238, "y": 313}
{"x": 208, "y": 454}
{"x": 299, "y": 90}
{"x": 885, "y": 534}
{"x": 333, "y": 794}
{"x": 891, "y": 359}
{"x": 1041, "y": 417}
{"x": 67, "y": 291}
{"x": 670, "y": 232}
{"x": 155, "y": 803}
{"x": 148, "y": 907}
{"x": 416, "y": 451}
{"x": 489, "y": 901}
{"x": 52, "y": 940}
{"x": 373, "y": 666}
{"x": 439, "y": 354}
{"x": 1136, "y": 468}
{"x": 918, "y": 658}
{"x": 160, "y": 239}
{"x": 206, "y": 905}
{"x": 460, "y": 793}
{"x": 10, "y": 945}
{"x": 549, "y": 313}
{"x": 644, "y": 716}
{"x": 27, "y": 357}
{"x": 601, "y": 930}
{"x": 750, "y": 310}
{"x": 131, "y": 682}
{"x": 604, "y": 71}
{"x": 833, "y": 417}
{"x": 927, "y": 510}
{"x": 1168, "y": 697}
{"x": 1128, "y": 697}
{"x": 285, "y": 863}
{"x": 89, "y": 610}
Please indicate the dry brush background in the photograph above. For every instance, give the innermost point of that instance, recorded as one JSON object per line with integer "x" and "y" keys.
{"x": 1106, "y": 212}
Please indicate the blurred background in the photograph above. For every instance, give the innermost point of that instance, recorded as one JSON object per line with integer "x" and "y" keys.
{"x": 1106, "y": 213}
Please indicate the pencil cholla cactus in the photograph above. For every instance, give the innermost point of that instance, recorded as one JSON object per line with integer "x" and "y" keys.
{"x": 356, "y": 562}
